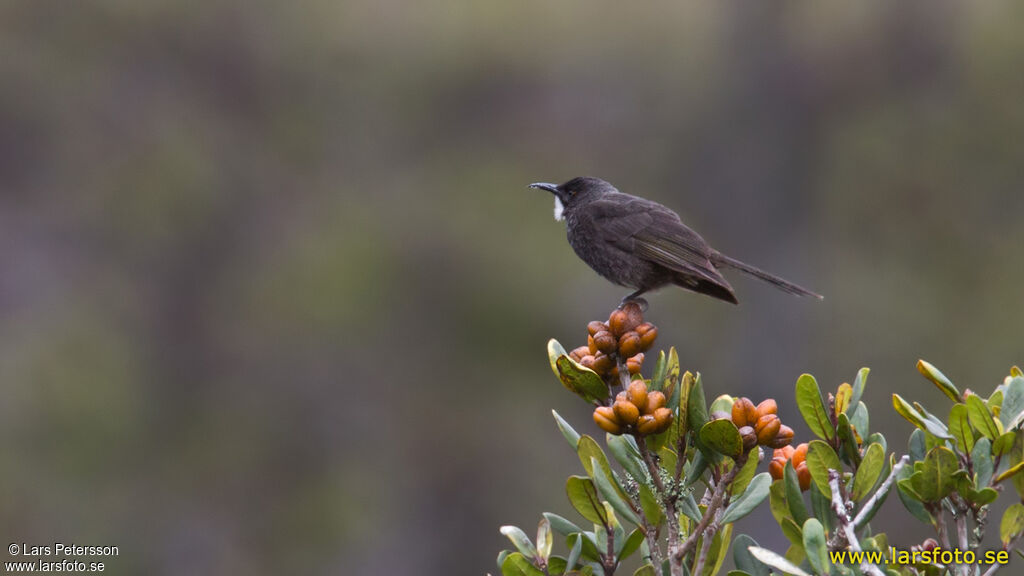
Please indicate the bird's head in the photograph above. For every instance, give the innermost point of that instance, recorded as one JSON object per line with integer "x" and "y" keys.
{"x": 567, "y": 193}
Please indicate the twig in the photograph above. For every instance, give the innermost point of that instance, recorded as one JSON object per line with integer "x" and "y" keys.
{"x": 843, "y": 518}
{"x": 709, "y": 536}
{"x": 609, "y": 563}
{"x": 668, "y": 500}
{"x": 881, "y": 492}
{"x": 717, "y": 498}
{"x": 940, "y": 524}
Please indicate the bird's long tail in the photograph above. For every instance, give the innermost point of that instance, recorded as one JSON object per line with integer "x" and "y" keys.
{"x": 719, "y": 260}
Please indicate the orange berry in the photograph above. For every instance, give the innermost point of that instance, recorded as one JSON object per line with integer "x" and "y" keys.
{"x": 783, "y": 437}
{"x": 647, "y": 425}
{"x": 777, "y": 468}
{"x": 742, "y": 410}
{"x": 803, "y": 475}
{"x": 587, "y": 362}
{"x": 637, "y": 393}
{"x": 766, "y": 433}
{"x": 799, "y": 454}
{"x": 605, "y": 342}
{"x": 604, "y": 417}
{"x": 648, "y": 334}
{"x": 663, "y": 418}
{"x": 596, "y": 326}
{"x": 603, "y": 363}
{"x": 579, "y": 353}
{"x": 617, "y": 323}
{"x": 655, "y": 400}
{"x": 767, "y": 407}
{"x": 635, "y": 364}
{"x": 629, "y": 344}
{"x": 625, "y": 412}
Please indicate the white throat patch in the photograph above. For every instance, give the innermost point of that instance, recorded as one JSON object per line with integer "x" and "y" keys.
{"x": 559, "y": 210}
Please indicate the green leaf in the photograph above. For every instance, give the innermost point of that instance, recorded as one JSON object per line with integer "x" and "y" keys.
{"x": 1016, "y": 456}
{"x": 516, "y": 564}
{"x": 627, "y": 456}
{"x": 723, "y": 437}
{"x": 695, "y": 469}
{"x": 658, "y": 374}
{"x": 649, "y": 505}
{"x": 960, "y": 428}
{"x": 744, "y": 560}
{"x": 935, "y": 421}
{"x": 775, "y": 561}
{"x": 792, "y": 532}
{"x": 969, "y": 492}
{"x": 916, "y": 445}
{"x": 571, "y": 435}
{"x": 1012, "y": 412}
{"x": 869, "y": 471}
{"x": 751, "y": 498}
{"x": 1009, "y": 472}
{"x": 905, "y": 409}
{"x": 794, "y": 498}
{"x": 696, "y": 407}
{"x": 981, "y": 457}
{"x": 584, "y": 498}
{"x": 746, "y": 474}
{"x": 815, "y": 546}
{"x": 910, "y": 500}
{"x": 561, "y": 525}
{"x": 581, "y": 381}
{"x": 939, "y": 379}
{"x": 574, "y": 552}
{"x": 718, "y": 550}
{"x": 520, "y": 540}
{"x": 611, "y": 491}
{"x": 777, "y": 501}
{"x": 821, "y": 508}
{"x": 858, "y": 390}
{"x": 688, "y": 506}
{"x": 980, "y": 417}
{"x": 820, "y": 459}
{"x": 812, "y": 408}
{"x": 849, "y": 445}
{"x": 1003, "y": 444}
{"x": 869, "y": 513}
{"x": 588, "y": 449}
{"x": 1012, "y": 523}
{"x": 722, "y": 404}
{"x": 630, "y": 544}
{"x": 859, "y": 420}
{"x": 939, "y": 475}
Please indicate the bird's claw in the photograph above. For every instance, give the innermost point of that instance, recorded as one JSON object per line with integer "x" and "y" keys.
{"x": 638, "y": 300}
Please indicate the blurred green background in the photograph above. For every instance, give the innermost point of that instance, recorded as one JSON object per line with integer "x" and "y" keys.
{"x": 275, "y": 297}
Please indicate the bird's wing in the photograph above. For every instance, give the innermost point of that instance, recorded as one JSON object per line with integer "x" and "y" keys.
{"x": 655, "y": 233}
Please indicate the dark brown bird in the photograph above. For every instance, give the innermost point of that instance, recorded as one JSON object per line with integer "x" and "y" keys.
{"x": 643, "y": 245}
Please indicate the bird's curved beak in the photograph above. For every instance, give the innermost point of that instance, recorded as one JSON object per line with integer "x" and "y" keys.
{"x": 553, "y": 188}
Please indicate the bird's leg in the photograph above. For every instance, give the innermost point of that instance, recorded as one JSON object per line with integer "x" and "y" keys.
{"x": 635, "y": 297}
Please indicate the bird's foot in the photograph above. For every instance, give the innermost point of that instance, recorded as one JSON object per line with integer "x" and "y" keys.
{"x": 636, "y": 299}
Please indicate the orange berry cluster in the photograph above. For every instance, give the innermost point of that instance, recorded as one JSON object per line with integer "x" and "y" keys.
{"x": 625, "y": 334}
{"x": 798, "y": 456}
{"x": 635, "y": 410}
{"x": 760, "y": 424}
